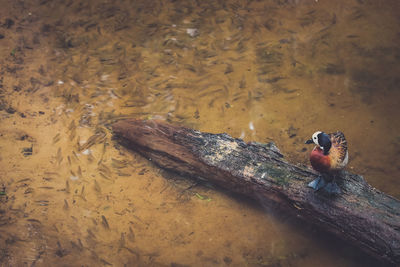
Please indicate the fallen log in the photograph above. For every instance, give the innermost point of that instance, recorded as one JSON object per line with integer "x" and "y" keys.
{"x": 360, "y": 215}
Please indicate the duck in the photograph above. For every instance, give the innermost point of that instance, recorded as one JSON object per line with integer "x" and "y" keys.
{"x": 328, "y": 157}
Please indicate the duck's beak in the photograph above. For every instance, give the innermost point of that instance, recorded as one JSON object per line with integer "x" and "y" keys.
{"x": 309, "y": 141}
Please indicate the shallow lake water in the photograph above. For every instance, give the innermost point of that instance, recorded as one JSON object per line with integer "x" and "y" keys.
{"x": 262, "y": 71}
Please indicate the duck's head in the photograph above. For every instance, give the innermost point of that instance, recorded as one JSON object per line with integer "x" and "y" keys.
{"x": 322, "y": 140}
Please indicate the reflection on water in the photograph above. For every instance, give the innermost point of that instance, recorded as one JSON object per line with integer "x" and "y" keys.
{"x": 259, "y": 70}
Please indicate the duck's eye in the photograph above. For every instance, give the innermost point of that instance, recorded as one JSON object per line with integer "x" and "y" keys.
{"x": 315, "y": 138}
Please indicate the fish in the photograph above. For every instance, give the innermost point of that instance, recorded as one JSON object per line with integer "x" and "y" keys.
{"x": 34, "y": 220}
{"x": 56, "y": 138}
{"x": 104, "y": 176}
{"x": 131, "y": 235}
{"x": 104, "y": 222}
{"x": 105, "y": 262}
{"x": 80, "y": 243}
{"x": 97, "y": 186}
{"x": 82, "y": 190}
{"x": 75, "y": 155}
{"x": 42, "y": 202}
{"x": 103, "y": 151}
{"x": 91, "y": 234}
{"x": 122, "y": 241}
{"x": 28, "y": 190}
{"x": 74, "y": 245}
{"x": 24, "y": 180}
{"x": 94, "y": 139}
{"x": 72, "y": 135}
{"x": 67, "y": 187}
{"x": 46, "y": 187}
{"x": 90, "y": 157}
{"x": 118, "y": 164}
{"x": 59, "y": 156}
{"x": 104, "y": 169}
{"x": 66, "y": 206}
{"x": 79, "y": 171}
{"x": 119, "y": 173}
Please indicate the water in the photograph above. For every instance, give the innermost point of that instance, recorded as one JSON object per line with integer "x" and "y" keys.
{"x": 258, "y": 70}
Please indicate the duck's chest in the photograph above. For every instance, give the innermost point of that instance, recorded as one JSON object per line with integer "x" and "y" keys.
{"x": 319, "y": 161}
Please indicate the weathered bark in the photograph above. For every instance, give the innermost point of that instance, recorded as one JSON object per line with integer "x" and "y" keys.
{"x": 361, "y": 215}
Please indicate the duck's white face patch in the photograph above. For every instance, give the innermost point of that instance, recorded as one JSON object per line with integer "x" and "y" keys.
{"x": 315, "y": 137}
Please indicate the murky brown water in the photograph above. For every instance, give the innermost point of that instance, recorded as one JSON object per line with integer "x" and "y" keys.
{"x": 260, "y": 70}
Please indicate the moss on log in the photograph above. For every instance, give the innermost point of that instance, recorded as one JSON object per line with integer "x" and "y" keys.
{"x": 360, "y": 215}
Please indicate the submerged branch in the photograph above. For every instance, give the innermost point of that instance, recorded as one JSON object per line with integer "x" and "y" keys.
{"x": 360, "y": 215}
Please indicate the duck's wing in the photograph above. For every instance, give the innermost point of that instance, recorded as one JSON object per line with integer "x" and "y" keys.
{"x": 339, "y": 144}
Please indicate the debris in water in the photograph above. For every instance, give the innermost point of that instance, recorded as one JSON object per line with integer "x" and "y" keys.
{"x": 202, "y": 197}
{"x": 74, "y": 177}
{"x": 27, "y": 151}
{"x": 251, "y": 126}
{"x": 192, "y": 32}
{"x": 87, "y": 152}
